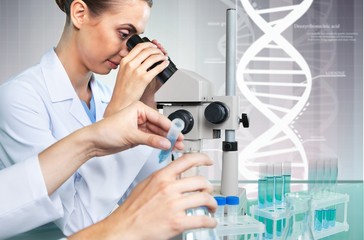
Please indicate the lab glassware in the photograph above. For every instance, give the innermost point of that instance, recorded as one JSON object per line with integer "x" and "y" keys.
{"x": 201, "y": 233}
{"x": 286, "y": 176}
{"x": 172, "y": 135}
{"x": 262, "y": 186}
{"x": 278, "y": 184}
{"x": 298, "y": 218}
{"x": 220, "y": 210}
{"x": 232, "y": 204}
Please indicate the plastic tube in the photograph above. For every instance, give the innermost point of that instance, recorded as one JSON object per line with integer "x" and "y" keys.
{"x": 173, "y": 133}
{"x": 219, "y": 213}
{"x": 232, "y": 203}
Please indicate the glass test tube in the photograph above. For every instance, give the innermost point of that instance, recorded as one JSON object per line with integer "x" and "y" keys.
{"x": 270, "y": 186}
{"x": 317, "y": 193}
{"x": 278, "y": 194}
{"x": 332, "y": 189}
{"x": 172, "y": 135}
{"x": 286, "y": 175}
{"x": 320, "y": 177}
{"x": 326, "y": 176}
{"x": 312, "y": 167}
{"x": 262, "y": 185}
{"x": 269, "y": 200}
{"x": 278, "y": 183}
{"x": 326, "y": 191}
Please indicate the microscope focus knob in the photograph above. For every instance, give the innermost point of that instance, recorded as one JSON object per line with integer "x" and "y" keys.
{"x": 244, "y": 120}
{"x": 186, "y": 117}
{"x": 216, "y": 112}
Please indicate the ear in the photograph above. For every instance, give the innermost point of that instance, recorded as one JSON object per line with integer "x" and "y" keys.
{"x": 78, "y": 13}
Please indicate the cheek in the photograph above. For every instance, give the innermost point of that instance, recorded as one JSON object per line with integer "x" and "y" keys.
{"x": 101, "y": 44}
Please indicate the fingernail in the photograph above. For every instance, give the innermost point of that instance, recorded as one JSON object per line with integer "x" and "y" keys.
{"x": 165, "y": 144}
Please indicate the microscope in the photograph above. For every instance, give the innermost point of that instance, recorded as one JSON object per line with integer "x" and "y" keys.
{"x": 187, "y": 95}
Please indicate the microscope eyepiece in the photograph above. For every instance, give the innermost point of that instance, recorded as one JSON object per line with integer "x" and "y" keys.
{"x": 167, "y": 72}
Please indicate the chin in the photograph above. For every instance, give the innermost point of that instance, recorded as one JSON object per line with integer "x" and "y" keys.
{"x": 102, "y": 71}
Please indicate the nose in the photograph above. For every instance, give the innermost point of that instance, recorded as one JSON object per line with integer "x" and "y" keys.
{"x": 123, "y": 51}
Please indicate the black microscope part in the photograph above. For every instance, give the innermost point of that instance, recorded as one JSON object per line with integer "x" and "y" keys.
{"x": 167, "y": 72}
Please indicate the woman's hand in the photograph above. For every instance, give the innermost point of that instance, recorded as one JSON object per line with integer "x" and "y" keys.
{"x": 134, "y": 125}
{"x": 135, "y": 75}
{"x": 154, "y": 85}
{"x": 156, "y": 208}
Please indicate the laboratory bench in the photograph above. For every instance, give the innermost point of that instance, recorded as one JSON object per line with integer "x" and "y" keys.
{"x": 352, "y": 190}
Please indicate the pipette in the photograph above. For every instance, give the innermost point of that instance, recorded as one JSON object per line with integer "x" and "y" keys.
{"x": 172, "y": 135}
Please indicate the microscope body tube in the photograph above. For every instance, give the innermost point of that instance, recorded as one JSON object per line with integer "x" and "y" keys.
{"x": 229, "y": 175}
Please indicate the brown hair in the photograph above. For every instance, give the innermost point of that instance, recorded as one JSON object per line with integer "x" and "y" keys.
{"x": 95, "y": 6}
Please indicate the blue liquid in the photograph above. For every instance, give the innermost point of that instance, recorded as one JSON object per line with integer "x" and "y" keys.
{"x": 270, "y": 192}
{"x": 262, "y": 189}
{"x": 164, "y": 154}
{"x": 332, "y": 217}
{"x": 318, "y": 220}
{"x": 278, "y": 189}
{"x": 279, "y": 228}
{"x": 325, "y": 218}
{"x": 172, "y": 135}
{"x": 286, "y": 185}
{"x": 280, "y": 223}
{"x": 269, "y": 228}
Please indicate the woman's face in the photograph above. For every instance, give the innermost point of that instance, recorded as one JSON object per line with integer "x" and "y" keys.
{"x": 101, "y": 41}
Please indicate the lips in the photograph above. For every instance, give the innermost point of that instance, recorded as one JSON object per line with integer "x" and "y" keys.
{"x": 112, "y": 64}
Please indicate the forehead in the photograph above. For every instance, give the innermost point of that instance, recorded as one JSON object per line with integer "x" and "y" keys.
{"x": 132, "y": 12}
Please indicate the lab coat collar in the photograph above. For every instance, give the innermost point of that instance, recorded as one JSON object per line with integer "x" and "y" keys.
{"x": 56, "y": 79}
{"x": 61, "y": 90}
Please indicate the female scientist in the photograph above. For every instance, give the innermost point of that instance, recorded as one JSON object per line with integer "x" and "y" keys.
{"x": 30, "y": 201}
{"x": 60, "y": 95}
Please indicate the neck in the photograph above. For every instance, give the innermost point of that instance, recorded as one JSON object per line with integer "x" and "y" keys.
{"x": 78, "y": 74}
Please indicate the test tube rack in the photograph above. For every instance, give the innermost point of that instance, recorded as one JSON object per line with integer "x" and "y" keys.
{"x": 246, "y": 227}
{"x": 277, "y": 213}
{"x": 329, "y": 200}
{"x": 274, "y": 213}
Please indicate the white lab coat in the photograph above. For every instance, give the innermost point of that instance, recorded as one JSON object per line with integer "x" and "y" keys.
{"x": 39, "y": 107}
{"x": 24, "y": 201}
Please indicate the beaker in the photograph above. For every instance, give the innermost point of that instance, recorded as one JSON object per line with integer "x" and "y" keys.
{"x": 298, "y": 218}
{"x": 200, "y": 233}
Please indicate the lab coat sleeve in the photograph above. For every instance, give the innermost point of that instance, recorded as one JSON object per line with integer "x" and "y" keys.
{"x": 25, "y": 126}
{"x": 26, "y": 130}
{"x": 24, "y": 201}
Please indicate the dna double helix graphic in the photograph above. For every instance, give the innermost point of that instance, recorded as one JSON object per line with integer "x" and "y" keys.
{"x": 275, "y": 78}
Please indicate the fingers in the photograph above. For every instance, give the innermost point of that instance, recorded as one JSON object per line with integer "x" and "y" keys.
{"x": 144, "y": 55}
{"x": 160, "y": 46}
{"x": 198, "y": 199}
{"x": 192, "y": 222}
{"x": 186, "y": 162}
{"x": 155, "y": 117}
{"x": 138, "y": 48}
{"x": 154, "y": 141}
{"x": 159, "y": 124}
{"x": 193, "y": 184}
